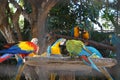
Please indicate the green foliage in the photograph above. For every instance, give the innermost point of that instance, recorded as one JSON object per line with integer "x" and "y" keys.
{"x": 106, "y": 14}
{"x": 93, "y": 12}
{"x": 12, "y": 8}
{"x": 26, "y": 5}
{"x": 60, "y": 17}
{"x": 21, "y": 3}
{"x": 21, "y": 22}
{"x": 85, "y": 13}
{"x": 109, "y": 15}
{"x": 98, "y": 36}
{"x": 106, "y": 25}
{"x": 64, "y": 16}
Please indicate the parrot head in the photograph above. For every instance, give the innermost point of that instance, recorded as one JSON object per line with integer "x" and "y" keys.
{"x": 62, "y": 41}
{"x": 34, "y": 40}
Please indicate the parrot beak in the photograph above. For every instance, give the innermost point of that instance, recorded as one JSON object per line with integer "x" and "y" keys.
{"x": 63, "y": 42}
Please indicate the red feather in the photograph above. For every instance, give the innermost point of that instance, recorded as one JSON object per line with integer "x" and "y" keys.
{"x": 4, "y": 57}
{"x": 85, "y": 59}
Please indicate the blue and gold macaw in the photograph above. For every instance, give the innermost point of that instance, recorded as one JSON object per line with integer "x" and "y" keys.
{"x": 23, "y": 47}
{"x": 77, "y": 48}
{"x": 76, "y": 32}
{"x": 54, "y": 49}
{"x": 85, "y": 34}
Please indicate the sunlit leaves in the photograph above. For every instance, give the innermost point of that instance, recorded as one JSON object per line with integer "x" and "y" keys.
{"x": 21, "y": 3}
{"x": 106, "y": 25}
{"x": 21, "y": 21}
{"x": 12, "y": 8}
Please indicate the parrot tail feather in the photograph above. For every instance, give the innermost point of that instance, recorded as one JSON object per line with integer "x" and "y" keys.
{"x": 85, "y": 59}
{"x": 106, "y": 73}
{"x": 93, "y": 65}
{"x": 5, "y": 57}
{"x": 89, "y": 62}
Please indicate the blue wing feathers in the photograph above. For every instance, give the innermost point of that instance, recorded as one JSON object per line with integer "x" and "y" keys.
{"x": 92, "y": 49}
{"x": 15, "y": 50}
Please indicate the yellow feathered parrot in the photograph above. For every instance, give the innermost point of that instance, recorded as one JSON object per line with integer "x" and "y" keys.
{"x": 55, "y": 48}
{"x": 76, "y": 32}
{"x": 85, "y": 35}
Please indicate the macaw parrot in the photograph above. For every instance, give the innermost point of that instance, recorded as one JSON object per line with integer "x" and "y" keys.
{"x": 23, "y": 47}
{"x": 114, "y": 40}
{"x": 77, "y": 48}
{"x": 76, "y": 32}
{"x": 21, "y": 50}
{"x": 71, "y": 47}
{"x": 54, "y": 49}
{"x": 85, "y": 35}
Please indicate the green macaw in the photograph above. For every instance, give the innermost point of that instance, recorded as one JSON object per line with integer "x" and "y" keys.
{"x": 78, "y": 48}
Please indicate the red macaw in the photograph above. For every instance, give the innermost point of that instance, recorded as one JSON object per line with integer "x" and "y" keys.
{"x": 23, "y": 47}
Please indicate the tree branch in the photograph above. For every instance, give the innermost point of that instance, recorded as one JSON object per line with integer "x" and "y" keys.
{"x": 96, "y": 22}
{"x": 26, "y": 16}
{"x": 90, "y": 42}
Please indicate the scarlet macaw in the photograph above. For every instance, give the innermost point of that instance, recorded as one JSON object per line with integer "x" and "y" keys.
{"x": 77, "y": 48}
{"x": 23, "y": 47}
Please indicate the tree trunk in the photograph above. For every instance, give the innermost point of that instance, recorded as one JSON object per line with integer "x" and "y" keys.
{"x": 4, "y": 25}
{"x": 40, "y": 30}
{"x": 39, "y": 26}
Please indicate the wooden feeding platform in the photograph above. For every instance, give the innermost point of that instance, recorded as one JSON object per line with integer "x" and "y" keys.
{"x": 41, "y": 67}
{"x": 62, "y": 62}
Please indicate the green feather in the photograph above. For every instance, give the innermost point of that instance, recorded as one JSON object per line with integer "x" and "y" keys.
{"x": 74, "y": 47}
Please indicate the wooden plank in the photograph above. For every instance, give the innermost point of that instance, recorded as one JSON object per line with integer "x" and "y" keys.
{"x": 67, "y": 61}
{"x": 64, "y": 67}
